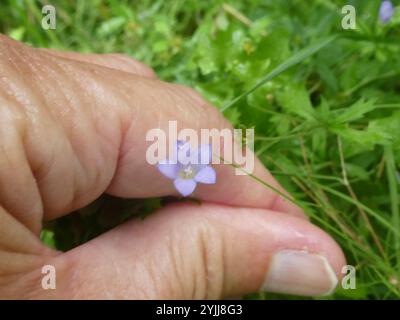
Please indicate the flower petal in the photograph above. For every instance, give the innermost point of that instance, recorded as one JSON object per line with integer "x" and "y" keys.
{"x": 386, "y": 11}
{"x": 206, "y": 175}
{"x": 185, "y": 186}
{"x": 168, "y": 169}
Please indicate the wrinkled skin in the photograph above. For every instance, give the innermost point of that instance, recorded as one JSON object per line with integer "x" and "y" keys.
{"x": 72, "y": 127}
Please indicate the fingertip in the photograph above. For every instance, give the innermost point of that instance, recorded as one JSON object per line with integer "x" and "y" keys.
{"x": 270, "y": 251}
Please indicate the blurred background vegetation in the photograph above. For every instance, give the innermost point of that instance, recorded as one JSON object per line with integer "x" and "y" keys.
{"x": 328, "y": 127}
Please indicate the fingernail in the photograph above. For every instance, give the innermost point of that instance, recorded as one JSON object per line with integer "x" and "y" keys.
{"x": 300, "y": 273}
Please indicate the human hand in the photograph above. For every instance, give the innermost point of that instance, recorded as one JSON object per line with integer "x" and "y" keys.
{"x": 72, "y": 127}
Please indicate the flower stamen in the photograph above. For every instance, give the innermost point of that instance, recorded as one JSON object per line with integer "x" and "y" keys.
{"x": 187, "y": 172}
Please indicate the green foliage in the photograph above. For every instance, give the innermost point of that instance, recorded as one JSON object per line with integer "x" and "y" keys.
{"x": 324, "y": 103}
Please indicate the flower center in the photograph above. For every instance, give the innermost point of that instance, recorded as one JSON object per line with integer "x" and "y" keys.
{"x": 187, "y": 172}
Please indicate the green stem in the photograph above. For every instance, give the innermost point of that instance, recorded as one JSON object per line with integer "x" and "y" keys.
{"x": 394, "y": 197}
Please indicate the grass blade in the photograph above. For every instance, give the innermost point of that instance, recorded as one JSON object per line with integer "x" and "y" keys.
{"x": 292, "y": 61}
{"x": 395, "y": 203}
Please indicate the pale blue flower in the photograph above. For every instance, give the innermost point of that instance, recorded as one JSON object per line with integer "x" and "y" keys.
{"x": 386, "y": 11}
{"x": 188, "y": 167}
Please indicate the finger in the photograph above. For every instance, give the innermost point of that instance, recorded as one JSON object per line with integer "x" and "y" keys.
{"x": 15, "y": 237}
{"x": 80, "y": 129}
{"x": 207, "y": 251}
{"x": 22, "y": 255}
{"x": 136, "y": 177}
{"x": 116, "y": 61}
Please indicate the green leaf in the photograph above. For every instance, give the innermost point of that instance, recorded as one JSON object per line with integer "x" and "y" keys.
{"x": 355, "y": 111}
{"x": 366, "y": 139}
{"x": 295, "y": 99}
{"x": 17, "y": 33}
{"x": 298, "y": 57}
{"x": 111, "y": 26}
{"x": 207, "y": 66}
{"x": 389, "y": 127}
{"x": 356, "y": 171}
{"x": 47, "y": 237}
{"x": 233, "y": 115}
{"x": 319, "y": 142}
